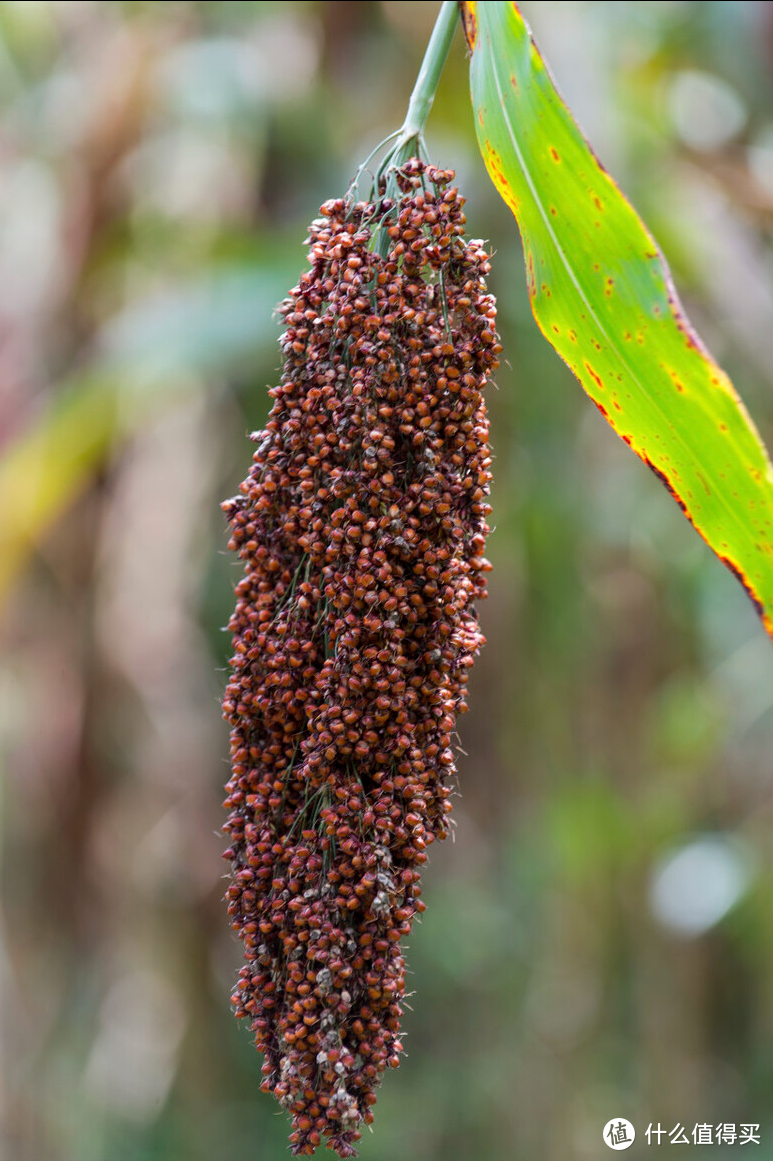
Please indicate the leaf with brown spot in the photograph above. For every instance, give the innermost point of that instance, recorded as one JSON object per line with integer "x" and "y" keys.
{"x": 602, "y": 295}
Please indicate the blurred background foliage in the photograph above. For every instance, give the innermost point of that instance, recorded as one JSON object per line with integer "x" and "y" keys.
{"x": 599, "y": 938}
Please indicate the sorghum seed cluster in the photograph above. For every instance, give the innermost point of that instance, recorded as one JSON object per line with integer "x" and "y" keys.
{"x": 361, "y": 526}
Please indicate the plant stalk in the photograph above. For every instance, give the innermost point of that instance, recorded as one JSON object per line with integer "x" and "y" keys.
{"x": 429, "y": 74}
{"x": 408, "y": 141}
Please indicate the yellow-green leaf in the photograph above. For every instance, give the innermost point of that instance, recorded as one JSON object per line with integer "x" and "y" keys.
{"x": 151, "y": 355}
{"x": 602, "y": 295}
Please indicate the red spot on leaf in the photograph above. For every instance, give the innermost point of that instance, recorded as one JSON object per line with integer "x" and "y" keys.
{"x": 530, "y": 279}
{"x": 595, "y": 376}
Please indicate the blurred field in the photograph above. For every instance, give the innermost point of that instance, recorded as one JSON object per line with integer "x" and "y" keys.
{"x": 599, "y": 937}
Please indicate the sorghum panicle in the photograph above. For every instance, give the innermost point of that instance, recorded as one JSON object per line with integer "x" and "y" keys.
{"x": 361, "y": 527}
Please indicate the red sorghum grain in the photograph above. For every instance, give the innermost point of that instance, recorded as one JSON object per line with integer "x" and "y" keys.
{"x": 362, "y": 527}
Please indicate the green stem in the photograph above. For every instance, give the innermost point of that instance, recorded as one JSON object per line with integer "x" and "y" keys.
{"x": 408, "y": 141}
{"x": 429, "y": 74}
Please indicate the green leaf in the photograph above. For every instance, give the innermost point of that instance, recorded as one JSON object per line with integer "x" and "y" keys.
{"x": 602, "y": 295}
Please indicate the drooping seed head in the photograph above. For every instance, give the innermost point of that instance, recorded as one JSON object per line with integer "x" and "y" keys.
{"x": 361, "y": 526}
